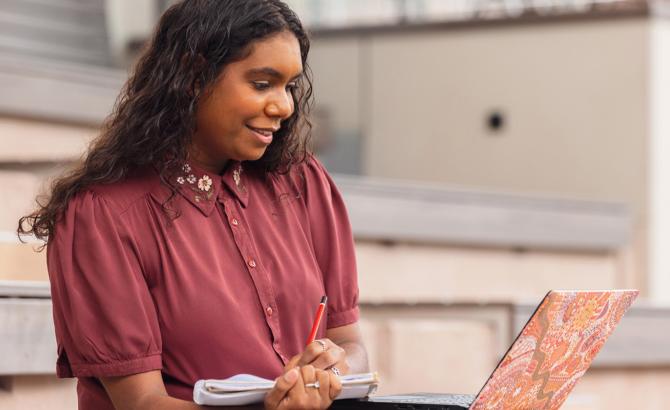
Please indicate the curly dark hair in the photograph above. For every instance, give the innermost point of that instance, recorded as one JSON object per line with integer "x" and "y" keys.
{"x": 154, "y": 116}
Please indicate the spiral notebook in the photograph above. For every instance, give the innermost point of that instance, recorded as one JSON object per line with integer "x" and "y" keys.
{"x": 243, "y": 389}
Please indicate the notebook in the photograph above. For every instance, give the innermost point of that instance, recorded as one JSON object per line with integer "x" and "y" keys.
{"x": 540, "y": 369}
{"x": 243, "y": 389}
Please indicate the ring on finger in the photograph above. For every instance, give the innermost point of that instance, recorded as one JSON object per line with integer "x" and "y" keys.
{"x": 314, "y": 385}
{"x": 335, "y": 370}
{"x": 322, "y": 343}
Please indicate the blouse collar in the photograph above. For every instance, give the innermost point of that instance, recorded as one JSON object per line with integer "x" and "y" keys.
{"x": 203, "y": 188}
{"x": 234, "y": 179}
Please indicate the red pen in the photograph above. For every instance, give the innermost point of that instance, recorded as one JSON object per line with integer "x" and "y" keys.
{"x": 317, "y": 319}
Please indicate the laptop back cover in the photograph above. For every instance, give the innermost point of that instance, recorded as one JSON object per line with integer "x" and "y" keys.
{"x": 554, "y": 350}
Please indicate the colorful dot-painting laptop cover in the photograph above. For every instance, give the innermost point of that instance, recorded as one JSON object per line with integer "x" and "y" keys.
{"x": 554, "y": 350}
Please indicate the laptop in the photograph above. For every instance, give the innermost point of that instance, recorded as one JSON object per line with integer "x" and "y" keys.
{"x": 540, "y": 369}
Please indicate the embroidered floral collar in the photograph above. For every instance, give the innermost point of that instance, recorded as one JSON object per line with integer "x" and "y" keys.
{"x": 202, "y": 188}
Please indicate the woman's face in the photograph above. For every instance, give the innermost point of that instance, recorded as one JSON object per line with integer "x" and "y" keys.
{"x": 237, "y": 116}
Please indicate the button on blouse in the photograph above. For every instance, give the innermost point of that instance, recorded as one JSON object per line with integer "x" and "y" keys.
{"x": 225, "y": 282}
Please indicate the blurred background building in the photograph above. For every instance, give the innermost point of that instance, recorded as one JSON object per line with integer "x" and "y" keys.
{"x": 488, "y": 151}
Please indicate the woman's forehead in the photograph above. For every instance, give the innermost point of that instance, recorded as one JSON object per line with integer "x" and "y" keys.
{"x": 280, "y": 52}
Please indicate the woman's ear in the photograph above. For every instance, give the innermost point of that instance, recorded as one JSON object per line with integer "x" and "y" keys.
{"x": 194, "y": 65}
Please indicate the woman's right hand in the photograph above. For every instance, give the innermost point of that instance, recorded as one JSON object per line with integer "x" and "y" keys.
{"x": 291, "y": 391}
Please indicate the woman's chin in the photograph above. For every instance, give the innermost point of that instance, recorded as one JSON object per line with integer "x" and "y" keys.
{"x": 254, "y": 155}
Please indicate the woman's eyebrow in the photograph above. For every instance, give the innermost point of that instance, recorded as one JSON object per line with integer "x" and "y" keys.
{"x": 271, "y": 72}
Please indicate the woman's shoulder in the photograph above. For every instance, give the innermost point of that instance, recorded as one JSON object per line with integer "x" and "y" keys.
{"x": 100, "y": 211}
{"x": 303, "y": 176}
{"x": 309, "y": 170}
{"x": 121, "y": 195}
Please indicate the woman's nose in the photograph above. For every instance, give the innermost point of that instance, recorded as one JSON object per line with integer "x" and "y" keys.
{"x": 280, "y": 106}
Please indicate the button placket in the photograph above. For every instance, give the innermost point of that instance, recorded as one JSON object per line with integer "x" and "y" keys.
{"x": 260, "y": 280}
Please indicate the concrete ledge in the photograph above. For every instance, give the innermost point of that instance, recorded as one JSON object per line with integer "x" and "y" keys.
{"x": 64, "y": 92}
{"x": 27, "y": 337}
{"x": 36, "y": 141}
{"x": 28, "y": 343}
{"x": 409, "y": 273}
{"x": 25, "y": 289}
{"x": 391, "y": 210}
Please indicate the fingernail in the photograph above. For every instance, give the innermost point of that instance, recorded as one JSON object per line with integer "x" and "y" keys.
{"x": 291, "y": 375}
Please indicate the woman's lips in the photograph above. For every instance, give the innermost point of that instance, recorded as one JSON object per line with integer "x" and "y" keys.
{"x": 264, "y": 136}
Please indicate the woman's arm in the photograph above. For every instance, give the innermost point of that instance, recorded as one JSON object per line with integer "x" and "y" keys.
{"x": 349, "y": 338}
{"x": 146, "y": 391}
{"x": 342, "y": 348}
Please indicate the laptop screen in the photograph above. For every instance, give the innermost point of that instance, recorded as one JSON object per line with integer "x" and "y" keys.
{"x": 554, "y": 349}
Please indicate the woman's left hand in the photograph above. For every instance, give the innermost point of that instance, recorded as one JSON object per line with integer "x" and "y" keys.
{"x": 322, "y": 354}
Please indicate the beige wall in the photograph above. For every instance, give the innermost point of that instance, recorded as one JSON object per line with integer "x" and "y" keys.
{"x": 575, "y": 96}
{"x": 411, "y": 273}
{"x": 338, "y": 88}
{"x": 659, "y": 162}
{"x": 38, "y": 393}
{"x": 32, "y": 152}
{"x": 531, "y": 72}
{"x": 25, "y": 141}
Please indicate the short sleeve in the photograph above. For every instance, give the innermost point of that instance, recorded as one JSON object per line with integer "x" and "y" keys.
{"x": 333, "y": 244}
{"x": 104, "y": 316}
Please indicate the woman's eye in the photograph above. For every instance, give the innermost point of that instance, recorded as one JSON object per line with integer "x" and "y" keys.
{"x": 291, "y": 86}
{"x": 261, "y": 85}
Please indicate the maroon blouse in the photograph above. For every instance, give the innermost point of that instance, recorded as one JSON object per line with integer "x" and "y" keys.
{"x": 230, "y": 286}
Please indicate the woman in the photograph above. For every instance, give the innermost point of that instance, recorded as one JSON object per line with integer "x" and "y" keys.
{"x": 197, "y": 237}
